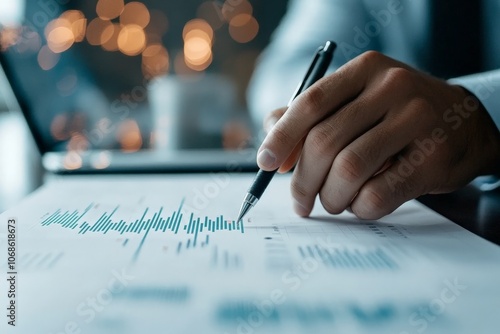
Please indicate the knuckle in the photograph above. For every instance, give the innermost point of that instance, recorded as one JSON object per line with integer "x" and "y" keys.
{"x": 280, "y": 136}
{"x": 423, "y": 109}
{"x": 410, "y": 188}
{"x": 349, "y": 165}
{"x": 370, "y": 58}
{"x": 321, "y": 139}
{"x": 398, "y": 76}
{"x": 312, "y": 100}
{"x": 374, "y": 201}
{"x": 298, "y": 190}
{"x": 329, "y": 204}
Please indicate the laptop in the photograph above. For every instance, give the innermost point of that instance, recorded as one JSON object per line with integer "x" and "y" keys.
{"x": 169, "y": 124}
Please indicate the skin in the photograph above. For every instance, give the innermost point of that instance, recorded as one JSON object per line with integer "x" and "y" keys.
{"x": 349, "y": 134}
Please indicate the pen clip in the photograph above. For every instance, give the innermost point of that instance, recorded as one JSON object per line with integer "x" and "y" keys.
{"x": 300, "y": 87}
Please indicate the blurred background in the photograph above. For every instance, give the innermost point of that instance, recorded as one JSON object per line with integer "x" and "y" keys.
{"x": 116, "y": 75}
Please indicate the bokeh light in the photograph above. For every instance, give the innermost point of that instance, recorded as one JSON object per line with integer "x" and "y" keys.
{"x": 8, "y": 37}
{"x": 211, "y": 13}
{"x": 131, "y": 40}
{"x": 155, "y": 61}
{"x": 243, "y": 28}
{"x": 96, "y": 29}
{"x": 72, "y": 160}
{"x": 198, "y": 39}
{"x": 77, "y": 23}
{"x": 129, "y": 136}
{"x": 47, "y": 59}
{"x": 232, "y": 8}
{"x": 111, "y": 44}
{"x": 77, "y": 143}
{"x": 59, "y": 35}
{"x": 109, "y": 9}
{"x": 58, "y": 127}
{"x": 135, "y": 13}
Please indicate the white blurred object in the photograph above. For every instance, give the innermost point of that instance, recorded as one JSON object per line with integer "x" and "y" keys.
{"x": 190, "y": 112}
{"x": 19, "y": 160}
{"x": 11, "y": 12}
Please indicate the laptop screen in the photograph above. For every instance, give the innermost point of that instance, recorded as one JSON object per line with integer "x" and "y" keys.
{"x": 129, "y": 75}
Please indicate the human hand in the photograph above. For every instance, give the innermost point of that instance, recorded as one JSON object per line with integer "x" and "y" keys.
{"x": 377, "y": 133}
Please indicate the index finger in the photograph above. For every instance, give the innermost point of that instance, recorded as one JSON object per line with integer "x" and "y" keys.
{"x": 312, "y": 106}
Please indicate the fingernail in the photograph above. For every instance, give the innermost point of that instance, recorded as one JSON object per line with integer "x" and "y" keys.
{"x": 266, "y": 159}
{"x": 300, "y": 209}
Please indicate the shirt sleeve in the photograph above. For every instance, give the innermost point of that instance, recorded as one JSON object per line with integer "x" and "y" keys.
{"x": 486, "y": 87}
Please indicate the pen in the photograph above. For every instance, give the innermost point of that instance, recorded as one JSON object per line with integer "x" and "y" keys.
{"x": 316, "y": 71}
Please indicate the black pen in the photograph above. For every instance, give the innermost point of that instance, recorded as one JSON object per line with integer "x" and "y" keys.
{"x": 316, "y": 71}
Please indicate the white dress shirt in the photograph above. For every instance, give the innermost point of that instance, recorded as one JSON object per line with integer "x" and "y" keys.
{"x": 398, "y": 28}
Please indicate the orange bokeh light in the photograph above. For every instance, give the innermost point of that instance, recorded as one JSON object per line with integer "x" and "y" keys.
{"x": 198, "y": 26}
{"x": 135, "y": 13}
{"x": 155, "y": 61}
{"x": 243, "y": 28}
{"x": 131, "y": 40}
{"x": 112, "y": 43}
{"x": 232, "y": 8}
{"x": 59, "y": 35}
{"x": 96, "y": 29}
{"x": 47, "y": 59}
{"x": 109, "y": 9}
{"x": 129, "y": 136}
{"x": 77, "y": 23}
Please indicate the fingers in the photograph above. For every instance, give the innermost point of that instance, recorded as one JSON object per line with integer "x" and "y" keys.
{"x": 272, "y": 118}
{"x": 343, "y": 129}
{"x": 401, "y": 182}
{"x": 362, "y": 159}
{"x": 309, "y": 108}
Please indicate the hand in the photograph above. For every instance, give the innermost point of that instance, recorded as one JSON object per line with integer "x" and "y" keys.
{"x": 377, "y": 133}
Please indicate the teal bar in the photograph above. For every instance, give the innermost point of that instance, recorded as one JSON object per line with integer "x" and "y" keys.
{"x": 131, "y": 226}
{"x": 218, "y": 227}
{"x": 160, "y": 224}
{"x": 120, "y": 225}
{"x": 178, "y": 223}
{"x": 169, "y": 223}
{"x": 62, "y": 218}
{"x": 230, "y": 227}
{"x": 196, "y": 231}
{"x": 84, "y": 224}
{"x": 154, "y": 220}
{"x": 206, "y": 221}
{"x": 190, "y": 225}
{"x": 71, "y": 218}
{"x": 234, "y": 226}
{"x": 141, "y": 222}
{"x": 173, "y": 219}
{"x": 85, "y": 229}
{"x": 52, "y": 216}
{"x": 107, "y": 226}
{"x": 225, "y": 225}
{"x": 96, "y": 224}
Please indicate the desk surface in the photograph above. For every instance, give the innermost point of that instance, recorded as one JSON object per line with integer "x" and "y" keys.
{"x": 476, "y": 211}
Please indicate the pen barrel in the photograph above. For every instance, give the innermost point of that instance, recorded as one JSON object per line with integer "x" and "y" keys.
{"x": 262, "y": 180}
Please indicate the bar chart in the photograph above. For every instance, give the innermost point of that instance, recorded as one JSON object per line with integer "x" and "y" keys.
{"x": 157, "y": 221}
{"x": 344, "y": 258}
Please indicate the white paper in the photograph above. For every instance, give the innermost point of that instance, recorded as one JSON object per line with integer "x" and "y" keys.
{"x": 410, "y": 272}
